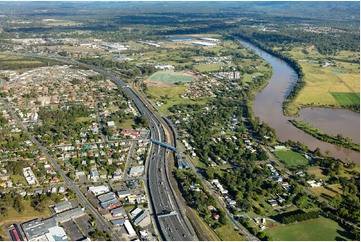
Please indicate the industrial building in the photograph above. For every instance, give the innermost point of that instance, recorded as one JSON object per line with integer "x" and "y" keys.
{"x": 106, "y": 197}
{"x": 99, "y": 190}
{"x": 63, "y": 206}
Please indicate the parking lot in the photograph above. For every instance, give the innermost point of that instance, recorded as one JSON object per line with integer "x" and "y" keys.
{"x": 72, "y": 230}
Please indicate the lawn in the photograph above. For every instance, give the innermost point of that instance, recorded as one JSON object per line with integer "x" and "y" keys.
{"x": 127, "y": 124}
{"x": 164, "y": 108}
{"x": 321, "y": 229}
{"x": 347, "y": 98}
{"x": 291, "y": 158}
{"x": 318, "y": 172}
{"x": 171, "y": 94}
{"x": 18, "y": 178}
{"x": 330, "y": 192}
{"x": 207, "y": 67}
{"x": 170, "y": 77}
{"x": 207, "y": 233}
{"x": 227, "y": 233}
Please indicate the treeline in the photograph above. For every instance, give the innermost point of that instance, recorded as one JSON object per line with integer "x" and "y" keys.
{"x": 24, "y": 63}
{"x": 329, "y": 42}
{"x": 300, "y": 217}
{"x": 295, "y": 216}
{"x": 354, "y": 231}
{"x": 332, "y": 139}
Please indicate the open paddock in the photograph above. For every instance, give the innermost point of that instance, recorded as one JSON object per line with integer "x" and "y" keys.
{"x": 170, "y": 77}
{"x": 321, "y": 229}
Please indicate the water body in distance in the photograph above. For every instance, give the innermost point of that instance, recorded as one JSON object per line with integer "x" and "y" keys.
{"x": 268, "y": 107}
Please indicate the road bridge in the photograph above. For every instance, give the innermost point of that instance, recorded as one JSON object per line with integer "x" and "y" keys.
{"x": 164, "y": 145}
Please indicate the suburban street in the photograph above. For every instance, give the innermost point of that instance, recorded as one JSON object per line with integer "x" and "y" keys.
{"x": 168, "y": 216}
{"x": 102, "y": 223}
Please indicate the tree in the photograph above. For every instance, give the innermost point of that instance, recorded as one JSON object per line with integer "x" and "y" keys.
{"x": 18, "y": 204}
{"x": 209, "y": 174}
{"x": 38, "y": 202}
{"x": 223, "y": 218}
{"x": 141, "y": 121}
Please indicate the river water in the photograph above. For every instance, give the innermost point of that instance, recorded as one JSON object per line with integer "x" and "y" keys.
{"x": 268, "y": 107}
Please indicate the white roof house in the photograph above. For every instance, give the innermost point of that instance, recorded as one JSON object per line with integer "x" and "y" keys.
{"x": 136, "y": 171}
{"x": 99, "y": 190}
{"x": 111, "y": 123}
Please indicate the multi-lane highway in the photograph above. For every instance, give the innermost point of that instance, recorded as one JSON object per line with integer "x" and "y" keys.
{"x": 169, "y": 218}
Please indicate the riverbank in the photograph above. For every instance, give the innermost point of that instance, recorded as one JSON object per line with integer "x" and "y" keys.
{"x": 319, "y": 83}
{"x": 268, "y": 106}
{"x": 329, "y": 83}
{"x": 318, "y": 134}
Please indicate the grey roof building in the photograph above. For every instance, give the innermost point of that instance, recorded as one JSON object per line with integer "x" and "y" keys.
{"x": 123, "y": 193}
{"x": 60, "y": 207}
{"x": 140, "y": 217}
{"x": 118, "y": 222}
{"x": 118, "y": 212}
{"x": 34, "y": 229}
{"x": 50, "y": 222}
{"x": 106, "y": 197}
{"x": 68, "y": 215}
{"x": 109, "y": 203}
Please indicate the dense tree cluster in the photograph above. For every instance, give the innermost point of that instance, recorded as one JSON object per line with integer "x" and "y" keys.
{"x": 199, "y": 200}
{"x": 11, "y": 200}
{"x": 125, "y": 69}
{"x": 300, "y": 217}
{"x": 61, "y": 123}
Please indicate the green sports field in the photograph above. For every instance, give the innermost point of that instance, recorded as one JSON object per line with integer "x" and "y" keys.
{"x": 321, "y": 229}
{"x": 347, "y": 98}
{"x": 291, "y": 158}
{"x": 170, "y": 77}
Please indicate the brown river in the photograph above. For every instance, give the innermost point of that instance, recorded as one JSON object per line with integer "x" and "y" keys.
{"x": 268, "y": 107}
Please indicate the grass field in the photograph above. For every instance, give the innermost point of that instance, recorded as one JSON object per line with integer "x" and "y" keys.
{"x": 172, "y": 97}
{"x": 318, "y": 172}
{"x": 227, "y": 233}
{"x": 291, "y": 158}
{"x": 128, "y": 124}
{"x": 170, "y": 77}
{"x": 321, "y": 81}
{"x": 62, "y": 23}
{"x": 18, "y": 178}
{"x": 207, "y": 67}
{"x": 347, "y": 98}
{"x": 171, "y": 92}
{"x": 332, "y": 191}
{"x": 321, "y": 229}
{"x": 207, "y": 233}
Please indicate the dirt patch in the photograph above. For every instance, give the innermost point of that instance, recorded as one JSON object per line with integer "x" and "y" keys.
{"x": 272, "y": 225}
